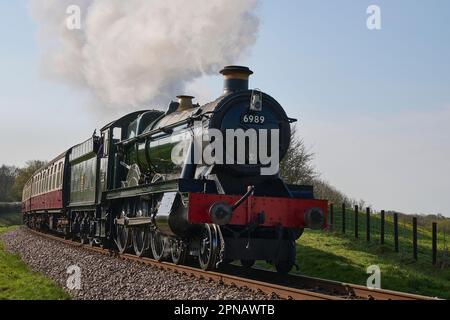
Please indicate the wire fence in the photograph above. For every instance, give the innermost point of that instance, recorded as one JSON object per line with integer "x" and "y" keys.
{"x": 391, "y": 231}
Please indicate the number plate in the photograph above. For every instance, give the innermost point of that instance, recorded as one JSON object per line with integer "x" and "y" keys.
{"x": 252, "y": 119}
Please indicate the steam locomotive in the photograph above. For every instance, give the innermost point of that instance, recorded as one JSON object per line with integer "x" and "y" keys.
{"x": 122, "y": 189}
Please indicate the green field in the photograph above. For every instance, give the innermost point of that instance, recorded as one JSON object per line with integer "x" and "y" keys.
{"x": 333, "y": 255}
{"x": 424, "y": 235}
{"x": 17, "y": 282}
{"x": 339, "y": 257}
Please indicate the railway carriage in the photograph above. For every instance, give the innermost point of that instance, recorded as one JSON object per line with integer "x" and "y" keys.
{"x": 123, "y": 189}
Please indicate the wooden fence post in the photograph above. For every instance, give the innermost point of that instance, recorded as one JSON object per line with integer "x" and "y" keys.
{"x": 434, "y": 243}
{"x": 415, "y": 238}
{"x": 368, "y": 224}
{"x": 396, "y": 231}
{"x": 331, "y": 217}
{"x": 343, "y": 218}
{"x": 356, "y": 221}
{"x": 382, "y": 227}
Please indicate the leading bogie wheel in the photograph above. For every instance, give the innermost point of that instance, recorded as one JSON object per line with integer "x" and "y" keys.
{"x": 209, "y": 247}
{"x": 178, "y": 251}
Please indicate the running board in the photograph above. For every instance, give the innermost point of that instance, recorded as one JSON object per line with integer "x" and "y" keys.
{"x": 138, "y": 221}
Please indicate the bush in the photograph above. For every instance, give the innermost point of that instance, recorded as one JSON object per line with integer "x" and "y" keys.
{"x": 10, "y": 207}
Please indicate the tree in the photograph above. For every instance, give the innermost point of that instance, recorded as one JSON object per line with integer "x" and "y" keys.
{"x": 7, "y": 176}
{"x": 23, "y": 175}
{"x": 296, "y": 167}
{"x": 324, "y": 190}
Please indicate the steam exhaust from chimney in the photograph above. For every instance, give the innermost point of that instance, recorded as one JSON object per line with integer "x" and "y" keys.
{"x": 139, "y": 52}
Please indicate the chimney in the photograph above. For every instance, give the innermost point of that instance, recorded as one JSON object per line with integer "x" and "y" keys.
{"x": 185, "y": 102}
{"x": 235, "y": 78}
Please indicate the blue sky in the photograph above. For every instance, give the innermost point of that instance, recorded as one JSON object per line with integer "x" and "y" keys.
{"x": 374, "y": 106}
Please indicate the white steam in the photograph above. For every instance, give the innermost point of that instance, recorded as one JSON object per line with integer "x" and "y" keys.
{"x": 130, "y": 53}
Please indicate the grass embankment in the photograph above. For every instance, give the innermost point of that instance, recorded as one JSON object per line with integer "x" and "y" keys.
{"x": 333, "y": 255}
{"x": 17, "y": 282}
{"x": 341, "y": 258}
{"x": 10, "y": 219}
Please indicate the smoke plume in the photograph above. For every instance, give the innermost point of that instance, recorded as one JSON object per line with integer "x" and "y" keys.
{"x": 132, "y": 53}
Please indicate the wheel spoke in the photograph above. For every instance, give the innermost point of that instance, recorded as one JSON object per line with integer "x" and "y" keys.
{"x": 178, "y": 251}
{"x": 122, "y": 233}
{"x": 208, "y": 247}
{"x": 141, "y": 241}
{"x": 157, "y": 243}
{"x": 141, "y": 234}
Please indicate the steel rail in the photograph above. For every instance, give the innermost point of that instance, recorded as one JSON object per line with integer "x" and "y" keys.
{"x": 282, "y": 286}
{"x": 332, "y": 287}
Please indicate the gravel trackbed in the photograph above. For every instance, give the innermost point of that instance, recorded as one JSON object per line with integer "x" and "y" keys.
{"x": 106, "y": 278}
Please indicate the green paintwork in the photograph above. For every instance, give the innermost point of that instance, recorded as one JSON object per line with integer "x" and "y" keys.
{"x": 83, "y": 179}
{"x": 171, "y": 185}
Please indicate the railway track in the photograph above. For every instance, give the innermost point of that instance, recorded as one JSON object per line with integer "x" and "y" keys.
{"x": 294, "y": 287}
{"x": 329, "y": 287}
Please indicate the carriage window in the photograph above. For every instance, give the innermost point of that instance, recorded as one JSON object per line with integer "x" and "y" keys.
{"x": 60, "y": 175}
{"x": 52, "y": 178}
{"x": 55, "y": 175}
